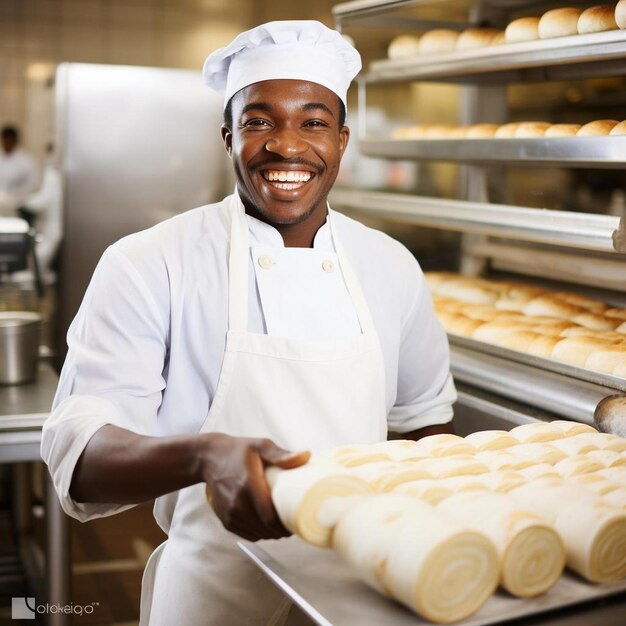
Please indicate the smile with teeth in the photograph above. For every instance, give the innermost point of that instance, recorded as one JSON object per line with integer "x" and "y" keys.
{"x": 288, "y": 180}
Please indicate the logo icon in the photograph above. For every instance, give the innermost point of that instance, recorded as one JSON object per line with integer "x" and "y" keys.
{"x": 23, "y": 608}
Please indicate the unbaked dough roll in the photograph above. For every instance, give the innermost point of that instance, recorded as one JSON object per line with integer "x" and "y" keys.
{"x": 522, "y": 29}
{"x": 438, "y": 41}
{"x": 502, "y": 481}
{"x": 403, "y": 47}
{"x": 448, "y": 466}
{"x": 594, "y": 533}
{"x": 460, "y": 484}
{"x": 426, "y": 560}
{"x": 597, "y": 19}
{"x": 428, "y": 491}
{"x": 473, "y": 38}
{"x": 570, "y": 428}
{"x": 562, "y": 130}
{"x": 539, "y": 470}
{"x": 619, "y": 129}
{"x": 580, "y": 464}
{"x": 573, "y": 447}
{"x": 608, "y": 458}
{"x": 531, "y": 553}
{"x": 491, "y": 440}
{"x": 353, "y": 456}
{"x": 597, "y": 128}
{"x": 605, "y": 441}
{"x": 506, "y": 131}
{"x": 385, "y": 476}
{"x": 537, "y": 453}
{"x": 444, "y": 445}
{"x": 399, "y": 449}
{"x": 497, "y": 460}
{"x": 616, "y": 498}
{"x": 559, "y": 23}
{"x": 536, "y": 432}
{"x": 598, "y": 484}
{"x": 620, "y": 14}
{"x": 530, "y": 130}
{"x": 616, "y": 475}
{"x": 309, "y": 499}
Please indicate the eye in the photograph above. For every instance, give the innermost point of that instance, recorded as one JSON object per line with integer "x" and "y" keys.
{"x": 257, "y": 122}
{"x": 316, "y": 124}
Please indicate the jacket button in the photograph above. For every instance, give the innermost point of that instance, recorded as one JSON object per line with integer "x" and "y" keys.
{"x": 328, "y": 266}
{"x": 265, "y": 262}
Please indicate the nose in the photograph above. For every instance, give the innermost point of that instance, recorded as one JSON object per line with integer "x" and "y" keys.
{"x": 286, "y": 143}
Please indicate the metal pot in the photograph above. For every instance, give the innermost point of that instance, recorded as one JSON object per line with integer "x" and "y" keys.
{"x": 19, "y": 346}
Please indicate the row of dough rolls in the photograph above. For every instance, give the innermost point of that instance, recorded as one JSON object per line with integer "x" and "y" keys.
{"x": 511, "y": 130}
{"x": 561, "y": 22}
{"x": 465, "y": 515}
{"x": 562, "y": 326}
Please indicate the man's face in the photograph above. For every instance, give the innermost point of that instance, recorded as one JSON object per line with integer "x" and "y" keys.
{"x": 286, "y": 146}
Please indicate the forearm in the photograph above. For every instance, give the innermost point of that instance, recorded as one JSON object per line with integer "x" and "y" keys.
{"x": 123, "y": 467}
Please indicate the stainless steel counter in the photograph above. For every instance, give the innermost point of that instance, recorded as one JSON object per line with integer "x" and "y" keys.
{"x": 23, "y": 410}
{"x": 325, "y": 589}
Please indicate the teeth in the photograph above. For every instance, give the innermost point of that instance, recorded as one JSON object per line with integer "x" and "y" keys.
{"x": 283, "y": 176}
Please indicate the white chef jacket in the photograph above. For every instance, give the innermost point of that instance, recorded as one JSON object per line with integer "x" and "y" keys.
{"x": 146, "y": 347}
{"x": 19, "y": 174}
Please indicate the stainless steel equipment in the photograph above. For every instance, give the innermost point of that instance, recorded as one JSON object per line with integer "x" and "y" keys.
{"x": 19, "y": 346}
{"x": 138, "y": 145}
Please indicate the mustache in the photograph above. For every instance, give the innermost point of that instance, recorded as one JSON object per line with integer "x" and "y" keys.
{"x": 295, "y": 161}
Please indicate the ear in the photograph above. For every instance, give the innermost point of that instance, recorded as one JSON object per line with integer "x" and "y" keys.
{"x": 227, "y": 138}
{"x": 344, "y": 137}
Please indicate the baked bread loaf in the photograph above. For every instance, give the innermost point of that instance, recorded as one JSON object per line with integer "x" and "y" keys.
{"x": 498, "y": 39}
{"x": 597, "y": 19}
{"x": 531, "y": 553}
{"x": 403, "y": 47}
{"x": 522, "y": 29}
{"x": 310, "y": 499}
{"x": 432, "y": 563}
{"x": 526, "y": 130}
{"x": 562, "y": 130}
{"x": 620, "y": 14}
{"x": 597, "y": 128}
{"x": 559, "y": 23}
{"x": 619, "y": 129}
{"x": 481, "y": 131}
{"x": 438, "y": 41}
{"x": 473, "y": 38}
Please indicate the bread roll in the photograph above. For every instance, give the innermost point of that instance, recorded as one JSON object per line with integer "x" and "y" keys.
{"x": 496, "y": 331}
{"x": 501, "y": 460}
{"x": 562, "y": 130}
{"x": 472, "y": 291}
{"x": 309, "y": 499}
{"x": 428, "y": 491}
{"x": 620, "y": 14}
{"x": 583, "y": 301}
{"x": 559, "y": 23}
{"x": 617, "y": 312}
{"x": 403, "y": 47}
{"x": 616, "y": 498}
{"x": 480, "y": 312}
{"x": 608, "y": 458}
{"x": 619, "y": 129}
{"x": 597, "y": 128}
{"x": 476, "y": 38}
{"x": 529, "y": 130}
{"x": 481, "y": 131}
{"x": 576, "y": 350}
{"x": 621, "y": 328}
{"x": 570, "y": 428}
{"x": 491, "y": 440}
{"x": 593, "y": 532}
{"x": 580, "y": 464}
{"x": 463, "y": 484}
{"x": 605, "y": 441}
{"x": 502, "y": 481}
{"x": 552, "y": 307}
{"x": 616, "y": 475}
{"x": 543, "y": 346}
{"x": 536, "y": 432}
{"x": 353, "y": 456}
{"x": 539, "y": 470}
{"x": 518, "y": 340}
{"x": 506, "y": 131}
{"x": 607, "y": 359}
{"x": 437, "y": 131}
{"x": 443, "y": 445}
{"x": 399, "y": 449}
{"x": 449, "y": 466}
{"x": 426, "y": 560}
{"x": 574, "y": 447}
{"x": 596, "y": 483}
{"x": 531, "y": 553}
{"x": 596, "y": 322}
{"x": 597, "y": 19}
{"x": 458, "y": 324}
{"x": 383, "y": 477}
{"x": 438, "y": 41}
{"x": 537, "y": 453}
{"x": 522, "y": 29}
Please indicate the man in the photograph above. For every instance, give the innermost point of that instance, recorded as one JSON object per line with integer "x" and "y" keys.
{"x": 19, "y": 174}
{"x": 213, "y": 343}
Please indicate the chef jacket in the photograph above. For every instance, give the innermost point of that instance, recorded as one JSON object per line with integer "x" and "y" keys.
{"x": 19, "y": 174}
{"x": 146, "y": 347}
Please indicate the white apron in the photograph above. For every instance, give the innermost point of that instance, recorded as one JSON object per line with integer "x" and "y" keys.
{"x": 301, "y": 394}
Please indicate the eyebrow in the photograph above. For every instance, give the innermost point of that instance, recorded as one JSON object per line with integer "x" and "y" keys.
{"x": 262, "y": 106}
{"x": 265, "y": 106}
{"x": 311, "y": 106}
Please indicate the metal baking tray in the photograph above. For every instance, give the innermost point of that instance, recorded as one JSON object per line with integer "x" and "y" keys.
{"x": 571, "y": 371}
{"x": 604, "y": 152}
{"x": 331, "y": 595}
{"x": 608, "y": 48}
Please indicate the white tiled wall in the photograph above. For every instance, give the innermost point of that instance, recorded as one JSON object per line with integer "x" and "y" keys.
{"x": 36, "y": 35}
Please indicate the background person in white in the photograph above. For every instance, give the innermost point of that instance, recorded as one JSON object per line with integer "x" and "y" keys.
{"x": 19, "y": 174}
{"x": 210, "y": 345}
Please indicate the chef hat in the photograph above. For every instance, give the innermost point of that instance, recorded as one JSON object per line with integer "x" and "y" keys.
{"x": 300, "y": 50}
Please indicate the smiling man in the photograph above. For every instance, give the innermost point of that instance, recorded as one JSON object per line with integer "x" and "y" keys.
{"x": 241, "y": 335}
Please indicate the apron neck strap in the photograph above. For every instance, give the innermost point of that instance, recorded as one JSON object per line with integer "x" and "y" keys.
{"x": 238, "y": 270}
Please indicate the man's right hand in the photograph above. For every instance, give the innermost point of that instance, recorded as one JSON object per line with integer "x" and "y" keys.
{"x": 234, "y": 470}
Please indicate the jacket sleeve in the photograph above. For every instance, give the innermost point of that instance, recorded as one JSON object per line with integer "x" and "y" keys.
{"x": 426, "y": 392}
{"x": 113, "y": 373}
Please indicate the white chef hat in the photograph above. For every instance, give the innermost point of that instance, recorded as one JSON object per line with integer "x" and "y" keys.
{"x": 298, "y": 49}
